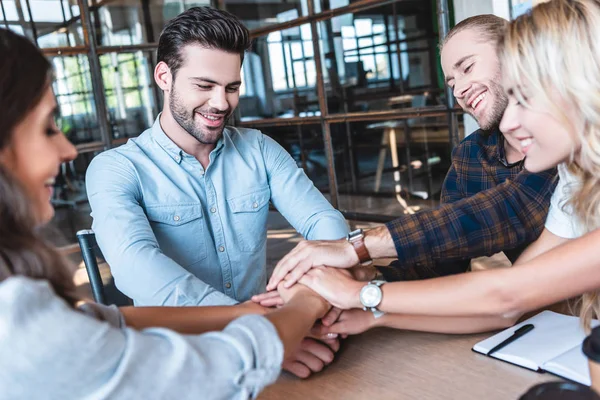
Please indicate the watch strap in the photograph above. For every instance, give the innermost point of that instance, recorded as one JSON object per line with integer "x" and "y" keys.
{"x": 358, "y": 242}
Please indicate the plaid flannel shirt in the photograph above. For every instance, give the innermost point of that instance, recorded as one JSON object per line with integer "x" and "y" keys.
{"x": 487, "y": 206}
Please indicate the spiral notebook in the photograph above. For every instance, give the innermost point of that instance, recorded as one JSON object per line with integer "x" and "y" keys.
{"x": 554, "y": 345}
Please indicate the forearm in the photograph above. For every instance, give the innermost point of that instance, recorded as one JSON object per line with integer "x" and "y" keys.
{"x": 165, "y": 282}
{"x": 504, "y": 217}
{"x": 297, "y": 199}
{"x": 187, "y": 320}
{"x": 544, "y": 243}
{"x": 568, "y": 270}
{"x": 294, "y": 320}
{"x": 327, "y": 224}
{"x": 453, "y": 325}
{"x": 379, "y": 243}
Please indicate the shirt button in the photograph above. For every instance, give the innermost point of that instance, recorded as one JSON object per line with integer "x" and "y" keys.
{"x": 177, "y": 158}
{"x": 221, "y": 249}
{"x": 255, "y": 205}
{"x": 201, "y": 173}
{"x": 176, "y": 218}
{"x": 213, "y": 210}
{"x": 228, "y": 285}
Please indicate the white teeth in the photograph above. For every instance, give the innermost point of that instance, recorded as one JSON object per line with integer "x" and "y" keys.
{"x": 478, "y": 99}
{"x": 526, "y": 142}
{"x": 211, "y": 117}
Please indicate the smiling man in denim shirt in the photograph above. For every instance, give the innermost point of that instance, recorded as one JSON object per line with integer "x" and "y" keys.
{"x": 180, "y": 212}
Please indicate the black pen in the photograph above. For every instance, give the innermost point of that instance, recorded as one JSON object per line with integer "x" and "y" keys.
{"x": 518, "y": 333}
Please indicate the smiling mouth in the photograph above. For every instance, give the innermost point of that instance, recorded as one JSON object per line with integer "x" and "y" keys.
{"x": 212, "y": 120}
{"x": 525, "y": 144}
{"x": 478, "y": 100}
{"x": 211, "y": 117}
{"x": 49, "y": 186}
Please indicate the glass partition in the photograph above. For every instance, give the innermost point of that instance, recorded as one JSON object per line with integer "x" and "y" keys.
{"x": 74, "y": 95}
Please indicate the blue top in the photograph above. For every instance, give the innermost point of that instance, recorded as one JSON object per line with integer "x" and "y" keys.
{"x": 176, "y": 234}
{"x": 49, "y": 350}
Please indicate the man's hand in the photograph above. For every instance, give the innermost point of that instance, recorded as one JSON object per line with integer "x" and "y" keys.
{"x": 308, "y": 254}
{"x": 350, "y": 322}
{"x": 311, "y": 357}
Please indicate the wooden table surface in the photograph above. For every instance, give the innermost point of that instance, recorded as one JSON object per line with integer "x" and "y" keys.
{"x": 392, "y": 364}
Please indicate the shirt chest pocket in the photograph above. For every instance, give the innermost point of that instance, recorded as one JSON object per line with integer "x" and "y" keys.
{"x": 179, "y": 230}
{"x": 249, "y": 214}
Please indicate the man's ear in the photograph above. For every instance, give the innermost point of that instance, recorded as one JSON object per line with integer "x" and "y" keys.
{"x": 163, "y": 76}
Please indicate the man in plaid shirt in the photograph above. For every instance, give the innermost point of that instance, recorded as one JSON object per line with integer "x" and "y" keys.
{"x": 490, "y": 203}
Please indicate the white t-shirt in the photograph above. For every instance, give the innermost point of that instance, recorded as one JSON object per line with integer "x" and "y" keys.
{"x": 561, "y": 221}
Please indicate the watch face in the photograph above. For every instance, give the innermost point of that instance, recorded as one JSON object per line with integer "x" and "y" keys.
{"x": 370, "y": 295}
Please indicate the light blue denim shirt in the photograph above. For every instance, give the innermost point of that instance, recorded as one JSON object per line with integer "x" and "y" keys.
{"x": 50, "y": 351}
{"x": 176, "y": 234}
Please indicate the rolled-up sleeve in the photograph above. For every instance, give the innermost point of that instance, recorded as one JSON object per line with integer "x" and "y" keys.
{"x": 504, "y": 217}
{"x": 53, "y": 351}
{"x": 296, "y": 197}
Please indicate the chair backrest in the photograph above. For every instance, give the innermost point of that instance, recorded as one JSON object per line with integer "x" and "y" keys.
{"x": 90, "y": 253}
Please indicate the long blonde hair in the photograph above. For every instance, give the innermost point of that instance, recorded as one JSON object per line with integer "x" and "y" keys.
{"x": 554, "y": 51}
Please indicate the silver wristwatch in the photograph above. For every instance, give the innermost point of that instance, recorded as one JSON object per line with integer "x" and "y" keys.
{"x": 371, "y": 296}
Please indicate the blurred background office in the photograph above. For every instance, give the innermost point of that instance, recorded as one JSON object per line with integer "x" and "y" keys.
{"x": 352, "y": 89}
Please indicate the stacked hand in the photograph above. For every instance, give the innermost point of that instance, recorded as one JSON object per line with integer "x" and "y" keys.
{"x": 310, "y": 254}
{"x": 350, "y": 322}
{"x": 340, "y": 287}
{"x": 313, "y": 355}
{"x": 301, "y": 273}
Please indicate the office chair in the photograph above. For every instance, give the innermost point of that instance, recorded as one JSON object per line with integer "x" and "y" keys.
{"x": 90, "y": 251}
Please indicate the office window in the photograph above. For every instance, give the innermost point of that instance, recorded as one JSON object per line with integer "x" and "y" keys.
{"x": 291, "y": 58}
{"x": 247, "y": 86}
{"x": 73, "y": 90}
{"x": 365, "y": 42}
{"x": 128, "y": 87}
{"x": 52, "y": 23}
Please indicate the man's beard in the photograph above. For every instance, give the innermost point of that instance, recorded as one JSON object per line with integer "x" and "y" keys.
{"x": 185, "y": 119}
{"x": 498, "y": 107}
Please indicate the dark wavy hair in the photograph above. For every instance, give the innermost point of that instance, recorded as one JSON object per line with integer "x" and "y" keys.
{"x": 203, "y": 26}
{"x": 25, "y": 74}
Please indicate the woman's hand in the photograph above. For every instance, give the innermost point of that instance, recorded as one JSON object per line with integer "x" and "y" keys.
{"x": 300, "y": 293}
{"x": 273, "y": 299}
{"x": 335, "y": 285}
{"x": 350, "y": 322}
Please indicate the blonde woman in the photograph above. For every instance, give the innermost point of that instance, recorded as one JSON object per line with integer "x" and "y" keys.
{"x": 551, "y": 68}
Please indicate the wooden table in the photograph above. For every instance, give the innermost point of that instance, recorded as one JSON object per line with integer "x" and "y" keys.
{"x": 390, "y": 364}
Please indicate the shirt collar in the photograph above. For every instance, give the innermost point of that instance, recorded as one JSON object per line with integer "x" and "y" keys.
{"x": 501, "y": 152}
{"x": 171, "y": 148}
